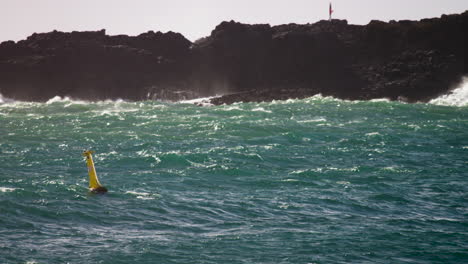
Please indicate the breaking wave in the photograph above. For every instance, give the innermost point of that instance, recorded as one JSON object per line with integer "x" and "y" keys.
{"x": 457, "y": 97}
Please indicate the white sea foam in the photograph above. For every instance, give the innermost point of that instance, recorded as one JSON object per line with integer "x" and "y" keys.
{"x": 373, "y": 134}
{"x": 343, "y": 182}
{"x": 138, "y": 193}
{"x": 234, "y": 107}
{"x": 148, "y": 154}
{"x": 204, "y": 101}
{"x": 261, "y": 109}
{"x": 71, "y": 101}
{"x": 6, "y": 189}
{"x": 314, "y": 120}
{"x": 290, "y": 180}
{"x": 380, "y": 100}
{"x": 458, "y": 97}
{"x": 142, "y": 195}
{"x": 57, "y": 98}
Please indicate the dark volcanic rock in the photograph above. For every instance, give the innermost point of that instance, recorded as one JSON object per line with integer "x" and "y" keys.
{"x": 92, "y": 65}
{"x": 405, "y": 60}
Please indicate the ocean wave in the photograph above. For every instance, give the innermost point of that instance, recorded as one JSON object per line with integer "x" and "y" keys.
{"x": 457, "y": 97}
{"x": 308, "y": 167}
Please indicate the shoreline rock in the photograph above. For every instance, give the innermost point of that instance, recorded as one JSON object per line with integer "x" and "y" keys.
{"x": 410, "y": 60}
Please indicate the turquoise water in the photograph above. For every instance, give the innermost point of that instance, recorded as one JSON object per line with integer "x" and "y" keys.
{"x": 317, "y": 180}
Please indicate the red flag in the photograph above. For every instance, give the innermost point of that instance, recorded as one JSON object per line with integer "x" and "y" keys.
{"x": 330, "y": 10}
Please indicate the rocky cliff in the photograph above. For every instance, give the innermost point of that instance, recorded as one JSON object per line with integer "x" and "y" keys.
{"x": 406, "y": 60}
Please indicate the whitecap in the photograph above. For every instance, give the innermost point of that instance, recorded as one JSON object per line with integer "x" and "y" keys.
{"x": 380, "y": 100}
{"x": 232, "y": 108}
{"x": 7, "y": 189}
{"x": 314, "y": 120}
{"x": 142, "y": 195}
{"x": 269, "y": 146}
{"x": 204, "y": 101}
{"x": 261, "y": 109}
{"x": 373, "y": 134}
{"x": 415, "y": 127}
{"x": 57, "y": 98}
{"x": 306, "y": 170}
{"x": 138, "y": 193}
{"x": 105, "y": 155}
{"x": 352, "y": 169}
{"x": 343, "y": 182}
{"x": 146, "y": 154}
{"x": 73, "y": 101}
{"x": 290, "y": 180}
{"x": 396, "y": 169}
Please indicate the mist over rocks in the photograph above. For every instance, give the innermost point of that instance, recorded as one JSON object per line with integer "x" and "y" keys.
{"x": 404, "y": 60}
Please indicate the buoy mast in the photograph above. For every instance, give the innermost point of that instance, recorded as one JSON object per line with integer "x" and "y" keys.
{"x": 94, "y": 184}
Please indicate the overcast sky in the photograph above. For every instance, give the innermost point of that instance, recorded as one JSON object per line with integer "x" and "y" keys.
{"x": 196, "y": 18}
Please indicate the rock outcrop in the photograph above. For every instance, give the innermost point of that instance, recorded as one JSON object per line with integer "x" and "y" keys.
{"x": 404, "y": 60}
{"x": 92, "y": 65}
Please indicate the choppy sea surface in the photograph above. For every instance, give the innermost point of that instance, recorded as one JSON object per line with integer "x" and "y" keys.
{"x": 317, "y": 180}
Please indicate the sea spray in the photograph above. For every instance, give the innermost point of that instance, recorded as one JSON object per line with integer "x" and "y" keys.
{"x": 457, "y": 97}
{"x": 5, "y": 100}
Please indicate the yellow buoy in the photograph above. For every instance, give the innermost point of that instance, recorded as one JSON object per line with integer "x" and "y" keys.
{"x": 94, "y": 184}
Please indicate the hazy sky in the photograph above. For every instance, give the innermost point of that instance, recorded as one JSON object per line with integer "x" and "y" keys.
{"x": 195, "y": 19}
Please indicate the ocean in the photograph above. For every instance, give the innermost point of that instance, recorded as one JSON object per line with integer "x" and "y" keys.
{"x": 316, "y": 180}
